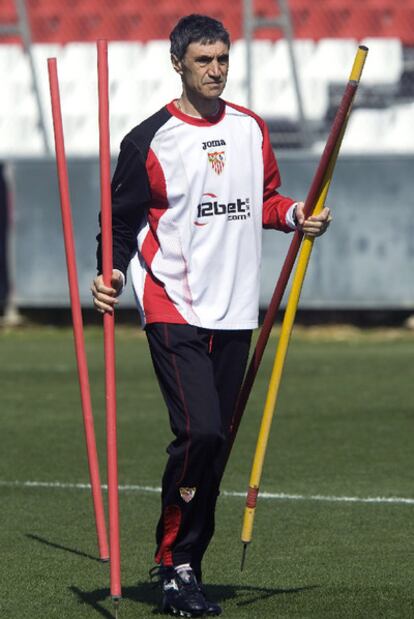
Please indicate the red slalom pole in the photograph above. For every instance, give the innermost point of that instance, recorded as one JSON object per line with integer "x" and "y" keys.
{"x": 109, "y": 322}
{"x": 314, "y": 191}
{"x": 76, "y": 312}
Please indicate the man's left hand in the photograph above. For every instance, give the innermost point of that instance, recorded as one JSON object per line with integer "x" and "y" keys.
{"x": 315, "y": 225}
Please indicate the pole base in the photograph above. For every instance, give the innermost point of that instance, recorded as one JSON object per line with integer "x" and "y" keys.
{"x": 243, "y": 559}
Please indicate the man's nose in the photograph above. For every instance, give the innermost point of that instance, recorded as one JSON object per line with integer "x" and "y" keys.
{"x": 214, "y": 69}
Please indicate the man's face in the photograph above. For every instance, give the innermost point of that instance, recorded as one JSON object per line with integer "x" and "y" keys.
{"x": 204, "y": 69}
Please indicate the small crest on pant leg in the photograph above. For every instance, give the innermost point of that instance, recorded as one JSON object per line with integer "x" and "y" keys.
{"x": 187, "y": 494}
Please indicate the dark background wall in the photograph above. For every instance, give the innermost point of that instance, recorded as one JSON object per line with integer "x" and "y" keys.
{"x": 364, "y": 262}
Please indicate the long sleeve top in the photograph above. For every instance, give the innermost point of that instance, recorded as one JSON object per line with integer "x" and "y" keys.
{"x": 190, "y": 197}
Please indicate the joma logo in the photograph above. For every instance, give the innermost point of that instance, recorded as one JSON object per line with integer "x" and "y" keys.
{"x": 213, "y": 144}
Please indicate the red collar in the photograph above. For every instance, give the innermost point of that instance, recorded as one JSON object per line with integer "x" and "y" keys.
{"x": 192, "y": 120}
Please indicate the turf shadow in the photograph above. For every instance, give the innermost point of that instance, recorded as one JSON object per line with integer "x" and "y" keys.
{"x": 147, "y": 593}
{"x": 263, "y": 593}
{"x": 74, "y": 551}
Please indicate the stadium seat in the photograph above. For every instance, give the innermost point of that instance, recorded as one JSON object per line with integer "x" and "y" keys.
{"x": 135, "y": 20}
{"x": 8, "y": 13}
{"x": 378, "y": 131}
{"x": 78, "y": 83}
{"x": 120, "y": 125}
{"x": 124, "y": 59}
{"x": 48, "y": 26}
{"x": 264, "y": 8}
{"x": 134, "y": 25}
{"x": 273, "y": 89}
{"x": 365, "y": 131}
{"x": 163, "y": 83}
{"x": 262, "y": 52}
{"x": 43, "y": 7}
{"x": 274, "y": 69}
{"x": 88, "y": 25}
{"x": 399, "y": 134}
{"x": 237, "y": 67}
{"x": 144, "y": 90}
{"x": 41, "y": 52}
{"x": 400, "y": 23}
{"x": 138, "y": 42}
{"x": 81, "y": 134}
{"x": 236, "y": 84}
{"x": 278, "y": 99}
{"x": 20, "y": 136}
{"x": 362, "y": 21}
{"x": 384, "y": 5}
{"x": 230, "y": 13}
{"x": 332, "y": 60}
{"x": 279, "y": 64}
{"x": 18, "y": 100}
{"x": 319, "y": 22}
{"x": 126, "y": 99}
{"x": 14, "y": 65}
{"x": 78, "y": 61}
{"x": 385, "y": 62}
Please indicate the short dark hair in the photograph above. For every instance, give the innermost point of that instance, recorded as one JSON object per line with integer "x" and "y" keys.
{"x": 196, "y": 28}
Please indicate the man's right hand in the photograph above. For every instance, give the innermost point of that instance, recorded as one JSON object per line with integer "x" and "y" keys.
{"x": 104, "y": 298}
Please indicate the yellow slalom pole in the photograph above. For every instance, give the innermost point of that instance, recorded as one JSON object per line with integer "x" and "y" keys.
{"x": 359, "y": 62}
{"x": 285, "y": 334}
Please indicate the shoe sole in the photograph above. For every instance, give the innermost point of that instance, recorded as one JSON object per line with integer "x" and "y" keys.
{"x": 181, "y": 613}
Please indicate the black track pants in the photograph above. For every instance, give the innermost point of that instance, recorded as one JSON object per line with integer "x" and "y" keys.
{"x": 200, "y": 373}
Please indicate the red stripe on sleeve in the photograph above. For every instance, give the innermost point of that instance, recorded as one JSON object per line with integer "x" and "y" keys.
{"x": 275, "y": 206}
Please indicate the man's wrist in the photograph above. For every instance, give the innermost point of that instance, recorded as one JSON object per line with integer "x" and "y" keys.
{"x": 291, "y": 217}
{"x": 122, "y": 278}
{"x": 294, "y": 216}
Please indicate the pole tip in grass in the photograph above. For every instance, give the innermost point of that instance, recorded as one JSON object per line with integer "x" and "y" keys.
{"x": 104, "y": 559}
{"x": 116, "y": 602}
{"x": 243, "y": 559}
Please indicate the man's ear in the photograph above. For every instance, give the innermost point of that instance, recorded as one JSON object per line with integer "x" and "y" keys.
{"x": 177, "y": 64}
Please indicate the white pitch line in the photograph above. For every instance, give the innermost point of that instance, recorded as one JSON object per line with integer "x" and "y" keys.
{"x": 281, "y": 496}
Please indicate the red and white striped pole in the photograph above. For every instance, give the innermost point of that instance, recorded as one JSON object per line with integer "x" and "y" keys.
{"x": 109, "y": 323}
{"x": 76, "y": 311}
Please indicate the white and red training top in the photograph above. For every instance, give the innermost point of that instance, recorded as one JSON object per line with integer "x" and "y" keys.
{"x": 190, "y": 197}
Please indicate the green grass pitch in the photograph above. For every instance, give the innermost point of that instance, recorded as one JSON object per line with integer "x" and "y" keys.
{"x": 343, "y": 428}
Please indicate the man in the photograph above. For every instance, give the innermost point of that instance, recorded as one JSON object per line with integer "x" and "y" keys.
{"x": 194, "y": 185}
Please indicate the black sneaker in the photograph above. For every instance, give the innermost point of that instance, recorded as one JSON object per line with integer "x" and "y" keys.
{"x": 181, "y": 593}
{"x": 213, "y": 609}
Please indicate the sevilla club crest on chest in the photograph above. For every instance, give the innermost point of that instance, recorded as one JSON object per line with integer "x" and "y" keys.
{"x": 217, "y": 159}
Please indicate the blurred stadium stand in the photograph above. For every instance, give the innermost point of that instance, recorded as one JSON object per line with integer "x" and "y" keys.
{"x": 326, "y": 34}
{"x": 355, "y": 267}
